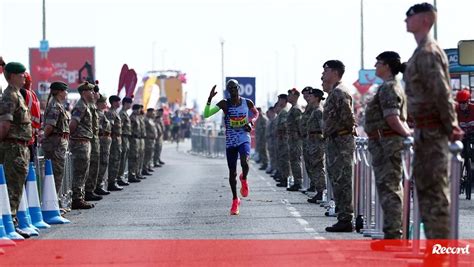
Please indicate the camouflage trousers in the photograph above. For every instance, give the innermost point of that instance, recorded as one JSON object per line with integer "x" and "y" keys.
{"x": 271, "y": 153}
{"x": 15, "y": 158}
{"x": 158, "y": 148}
{"x": 149, "y": 153}
{"x": 55, "y": 148}
{"x": 81, "y": 155}
{"x": 339, "y": 159}
{"x": 387, "y": 165}
{"x": 105, "y": 143}
{"x": 91, "y": 181}
{"x": 141, "y": 156}
{"x": 262, "y": 150}
{"x": 123, "y": 156}
{"x": 115, "y": 152}
{"x": 133, "y": 156}
{"x": 296, "y": 151}
{"x": 430, "y": 172}
{"x": 283, "y": 158}
{"x": 315, "y": 162}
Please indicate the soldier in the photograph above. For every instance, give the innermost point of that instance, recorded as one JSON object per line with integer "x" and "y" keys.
{"x": 80, "y": 145}
{"x": 339, "y": 122}
{"x": 304, "y": 134}
{"x": 151, "y": 135}
{"x": 126, "y": 136}
{"x": 105, "y": 139}
{"x": 431, "y": 106}
{"x": 269, "y": 138}
{"x": 15, "y": 133}
{"x": 91, "y": 181}
{"x": 315, "y": 143}
{"x": 277, "y": 173}
{"x": 134, "y": 142}
{"x": 160, "y": 128}
{"x": 294, "y": 139}
{"x": 261, "y": 139}
{"x": 141, "y": 148}
{"x": 56, "y": 131}
{"x": 282, "y": 141}
{"x": 116, "y": 146}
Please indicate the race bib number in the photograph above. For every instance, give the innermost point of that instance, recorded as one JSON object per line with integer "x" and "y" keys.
{"x": 237, "y": 122}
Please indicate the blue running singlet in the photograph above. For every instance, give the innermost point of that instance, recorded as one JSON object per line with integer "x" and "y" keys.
{"x": 235, "y": 119}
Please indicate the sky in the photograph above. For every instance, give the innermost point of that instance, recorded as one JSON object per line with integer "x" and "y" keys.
{"x": 283, "y": 43}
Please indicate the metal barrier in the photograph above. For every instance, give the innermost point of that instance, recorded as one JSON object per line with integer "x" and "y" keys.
{"x": 205, "y": 142}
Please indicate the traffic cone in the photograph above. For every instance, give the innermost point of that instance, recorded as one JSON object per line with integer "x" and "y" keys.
{"x": 33, "y": 199}
{"x": 23, "y": 216}
{"x": 4, "y": 240}
{"x": 6, "y": 211}
{"x": 49, "y": 200}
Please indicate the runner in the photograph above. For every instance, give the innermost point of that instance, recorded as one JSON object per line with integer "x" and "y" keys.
{"x": 238, "y": 124}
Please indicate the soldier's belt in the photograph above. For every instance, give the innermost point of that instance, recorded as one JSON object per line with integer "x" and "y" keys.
{"x": 80, "y": 140}
{"x": 16, "y": 141}
{"x": 379, "y": 133}
{"x": 62, "y": 135}
{"x": 427, "y": 122}
{"x": 340, "y": 133}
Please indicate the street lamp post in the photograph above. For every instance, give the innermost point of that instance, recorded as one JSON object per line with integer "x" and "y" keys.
{"x": 222, "y": 63}
{"x": 361, "y": 34}
{"x": 436, "y": 24}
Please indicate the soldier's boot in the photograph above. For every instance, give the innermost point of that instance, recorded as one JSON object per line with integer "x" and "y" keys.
{"x": 122, "y": 182}
{"x": 145, "y": 172}
{"x": 157, "y": 165}
{"x": 79, "y": 204}
{"x": 293, "y": 188}
{"x": 282, "y": 184}
{"x": 150, "y": 170}
{"x": 244, "y": 190}
{"x": 133, "y": 179}
{"x": 317, "y": 198}
{"x": 18, "y": 230}
{"x": 263, "y": 167}
{"x": 340, "y": 227}
{"x": 101, "y": 191}
{"x": 114, "y": 187}
{"x": 141, "y": 177}
{"x": 161, "y": 162}
{"x": 312, "y": 188}
{"x": 90, "y": 196}
{"x": 234, "y": 209}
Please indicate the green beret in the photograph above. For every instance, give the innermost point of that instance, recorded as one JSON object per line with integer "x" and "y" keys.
{"x": 85, "y": 86}
{"x": 15, "y": 68}
{"x": 58, "y": 86}
{"x": 102, "y": 99}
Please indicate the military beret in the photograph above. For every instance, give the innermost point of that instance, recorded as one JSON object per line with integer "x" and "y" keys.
{"x": 283, "y": 96}
{"x": 160, "y": 109}
{"x": 334, "y": 64}
{"x": 127, "y": 100}
{"x": 293, "y": 91}
{"x": 102, "y": 99}
{"x": 15, "y": 68}
{"x": 113, "y": 98}
{"x": 150, "y": 109}
{"x": 85, "y": 86}
{"x": 61, "y": 86}
{"x": 306, "y": 89}
{"x": 317, "y": 92}
{"x": 420, "y": 8}
{"x": 136, "y": 107}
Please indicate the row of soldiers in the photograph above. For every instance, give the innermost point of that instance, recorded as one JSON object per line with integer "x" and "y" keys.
{"x": 100, "y": 140}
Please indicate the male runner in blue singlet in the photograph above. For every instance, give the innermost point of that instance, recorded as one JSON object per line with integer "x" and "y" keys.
{"x": 238, "y": 124}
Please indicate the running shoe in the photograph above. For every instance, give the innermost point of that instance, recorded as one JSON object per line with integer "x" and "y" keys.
{"x": 244, "y": 190}
{"x": 234, "y": 210}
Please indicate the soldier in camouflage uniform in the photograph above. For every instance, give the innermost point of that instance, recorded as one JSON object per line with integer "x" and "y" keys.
{"x": 126, "y": 136}
{"x": 159, "y": 138}
{"x": 91, "y": 181}
{"x": 260, "y": 139}
{"x": 141, "y": 148}
{"x": 105, "y": 139}
{"x": 151, "y": 135}
{"x": 116, "y": 146}
{"x": 276, "y": 175}
{"x": 304, "y": 134}
{"x": 283, "y": 151}
{"x": 134, "y": 144}
{"x": 80, "y": 144}
{"x": 270, "y": 139}
{"x": 315, "y": 143}
{"x": 385, "y": 125}
{"x": 431, "y": 106}
{"x": 15, "y": 133}
{"x": 294, "y": 139}
{"x": 339, "y": 122}
{"x": 56, "y": 131}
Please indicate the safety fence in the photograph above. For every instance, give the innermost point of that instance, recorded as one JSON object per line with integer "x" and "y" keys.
{"x": 206, "y": 141}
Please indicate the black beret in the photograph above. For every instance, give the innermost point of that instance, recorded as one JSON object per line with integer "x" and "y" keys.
{"x": 420, "y": 8}
{"x": 150, "y": 109}
{"x": 85, "y": 86}
{"x": 15, "y": 68}
{"x": 334, "y": 64}
{"x": 136, "y": 107}
{"x": 293, "y": 91}
{"x": 283, "y": 96}
{"x": 317, "y": 92}
{"x": 61, "y": 86}
{"x": 306, "y": 89}
{"x": 102, "y": 99}
{"x": 160, "y": 109}
{"x": 113, "y": 98}
{"x": 127, "y": 100}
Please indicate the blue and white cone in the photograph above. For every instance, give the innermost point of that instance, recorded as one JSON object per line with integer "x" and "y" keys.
{"x": 49, "y": 201}
{"x": 23, "y": 216}
{"x": 4, "y": 240}
{"x": 33, "y": 199}
{"x": 5, "y": 207}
